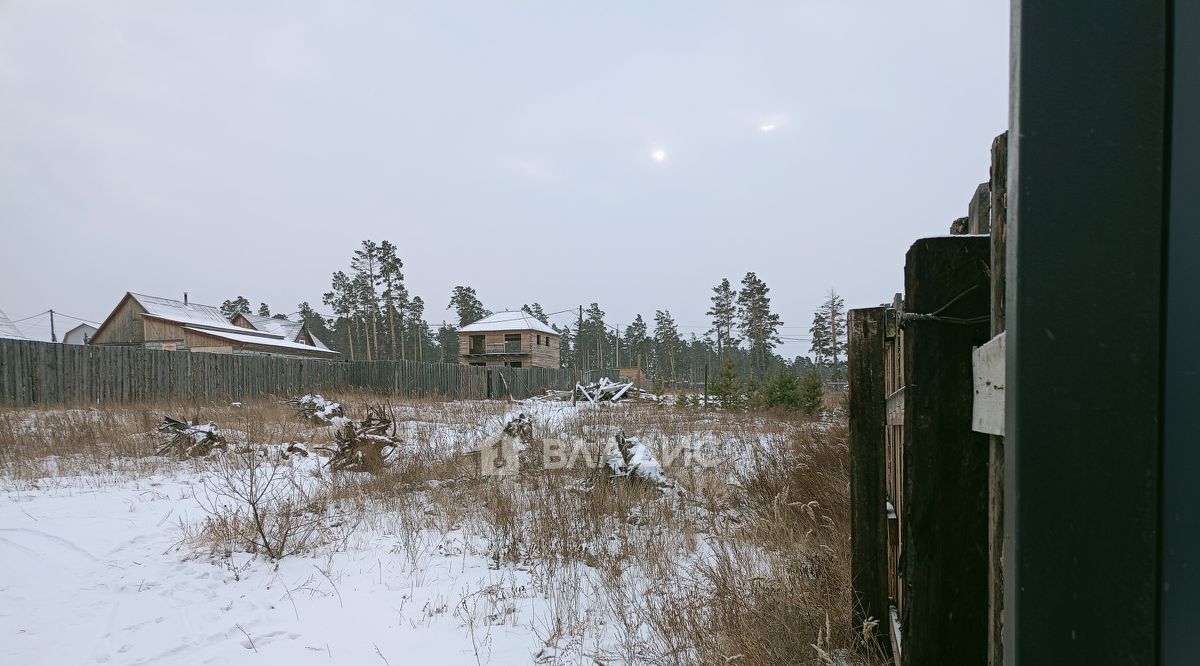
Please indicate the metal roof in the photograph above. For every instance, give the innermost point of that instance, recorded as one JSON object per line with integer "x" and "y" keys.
{"x": 508, "y": 320}
{"x": 249, "y": 338}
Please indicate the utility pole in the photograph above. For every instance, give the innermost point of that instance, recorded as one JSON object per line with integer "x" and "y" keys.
{"x": 618, "y": 330}
{"x": 53, "y": 337}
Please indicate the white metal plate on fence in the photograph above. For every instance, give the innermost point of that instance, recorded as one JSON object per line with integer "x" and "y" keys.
{"x": 987, "y": 410}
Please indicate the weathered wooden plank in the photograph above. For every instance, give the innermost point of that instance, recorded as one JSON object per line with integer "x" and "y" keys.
{"x": 987, "y": 409}
{"x": 895, "y": 408}
{"x": 868, "y": 495}
{"x": 979, "y": 210}
{"x": 996, "y": 544}
{"x": 944, "y": 520}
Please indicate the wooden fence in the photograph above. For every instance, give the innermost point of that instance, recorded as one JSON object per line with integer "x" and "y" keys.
{"x": 926, "y": 478}
{"x": 37, "y": 373}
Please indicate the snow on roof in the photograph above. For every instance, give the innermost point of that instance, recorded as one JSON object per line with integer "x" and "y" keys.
{"x": 9, "y": 329}
{"x": 252, "y": 339}
{"x": 508, "y": 320}
{"x": 290, "y": 330}
{"x": 190, "y": 314}
{"x": 285, "y": 328}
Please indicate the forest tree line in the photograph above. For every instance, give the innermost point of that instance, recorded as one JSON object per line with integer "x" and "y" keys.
{"x": 372, "y": 316}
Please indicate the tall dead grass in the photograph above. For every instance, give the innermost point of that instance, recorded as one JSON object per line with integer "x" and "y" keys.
{"x": 746, "y": 561}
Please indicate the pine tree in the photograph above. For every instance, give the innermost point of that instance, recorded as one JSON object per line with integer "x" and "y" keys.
{"x": 812, "y": 392}
{"x": 829, "y": 335}
{"x": 395, "y": 296}
{"x": 636, "y": 342}
{"x": 666, "y": 344}
{"x": 467, "y": 305}
{"x": 592, "y": 337}
{"x": 316, "y": 324}
{"x": 726, "y": 387}
{"x": 759, "y": 326}
{"x": 724, "y": 316}
{"x": 366, "y": 266}
{"x": 835, "y": 311}
{"x": 565, "y": 356}
{"x": 238, "y": 305}
{"x": 340, "y": 299}
{"x": 448, "y": 343}
{"x": 819, "y": 331}
{"x": 536, "y": 312}
{"x": 263, "y": 310}
{"x": 365, "y": 312}
{"x": 416, "y": 329}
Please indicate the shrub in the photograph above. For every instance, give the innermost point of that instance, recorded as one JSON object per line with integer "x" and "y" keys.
{"x": 782, "y": 391}
{"x": 812, "y": 391}
{"x": 726, "y": 388}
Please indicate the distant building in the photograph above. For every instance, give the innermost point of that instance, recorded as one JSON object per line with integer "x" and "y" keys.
{"x": 512, "y": 339}
{"x": 293, "y": 331}
{"x": 9, "y": 329}
{"x": 79, "y": 335}
{"x": 167, "y": 324}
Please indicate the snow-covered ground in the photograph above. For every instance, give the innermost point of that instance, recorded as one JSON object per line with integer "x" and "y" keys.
{"x": 109, "y": 568}
{"x": 100, "y": 576}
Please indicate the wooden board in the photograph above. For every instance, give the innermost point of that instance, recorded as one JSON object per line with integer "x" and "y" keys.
{"x": 987, "y": 409}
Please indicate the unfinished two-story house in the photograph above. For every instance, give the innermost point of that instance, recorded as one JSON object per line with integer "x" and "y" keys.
{"x": 511, "y": 339}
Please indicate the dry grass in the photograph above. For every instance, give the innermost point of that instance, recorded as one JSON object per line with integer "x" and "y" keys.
{"x": 747, "y": 561}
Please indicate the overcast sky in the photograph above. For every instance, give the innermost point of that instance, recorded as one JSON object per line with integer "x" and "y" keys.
{"x": 629, "y": 153}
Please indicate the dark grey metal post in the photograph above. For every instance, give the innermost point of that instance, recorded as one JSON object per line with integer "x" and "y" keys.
{"x": 1085, "y": 271}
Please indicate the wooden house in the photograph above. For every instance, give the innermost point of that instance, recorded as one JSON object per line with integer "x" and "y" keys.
{"x": 512, "y": 339}
{"x": 293, "y": 331}
{"x": 171, "y": 325}
{"x": 79, "y": 335}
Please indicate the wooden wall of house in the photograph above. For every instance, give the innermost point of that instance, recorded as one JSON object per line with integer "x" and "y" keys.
{"x": 215, "y": 349}
{"x": 197, "y": 341}
{"x": 546, "y": 354}
{"x": 240, "y": 320}
{"x": 123, "y": 326}
{"x": 157, "y": 330}
{"x": 540, "y": 356}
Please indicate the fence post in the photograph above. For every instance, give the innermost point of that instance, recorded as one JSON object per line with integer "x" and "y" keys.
{"x": 996, "y": 546}
{"x": 945, "y": 472}
{"x": 868, "y": 513}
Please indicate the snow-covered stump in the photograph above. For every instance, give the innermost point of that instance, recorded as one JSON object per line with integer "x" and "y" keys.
{"x": 633, "y": 461}
{"x": 314, "y": 407}
{"x": 189, "y": 440}
{"x": 365, "y": 446}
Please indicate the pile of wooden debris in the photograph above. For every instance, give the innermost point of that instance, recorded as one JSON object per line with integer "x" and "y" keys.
{"x": 604, "y": 390}
{"x": 316, "y": 408}
{"x": 189, "y": 440}
{"x": 366, "y": 445}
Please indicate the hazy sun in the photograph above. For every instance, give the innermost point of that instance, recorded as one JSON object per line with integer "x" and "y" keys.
{"x": 659, "y": 155}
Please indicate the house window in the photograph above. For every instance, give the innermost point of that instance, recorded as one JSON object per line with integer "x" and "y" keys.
{"x": 513, "y": 364}
{"x": 478, "y": 363}
{"x": 539, "y": 338}
{"x": 512, "y": 343}
{"x": 476, "y": 345}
